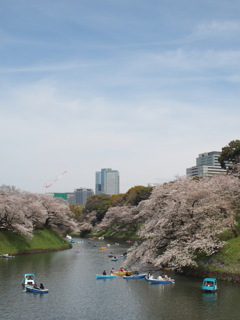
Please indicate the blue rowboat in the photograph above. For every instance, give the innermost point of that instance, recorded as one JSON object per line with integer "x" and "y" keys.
{"x": 107, "y": 276}
{"x": 209, "y": 284}
{"x": 159, "y": 281}
{"x": 135, "y": 276}
{"x": 35, "y": 290}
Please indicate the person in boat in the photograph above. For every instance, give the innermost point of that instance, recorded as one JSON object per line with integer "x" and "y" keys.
{"x": 121, "y": 269}
{"x": 160, "y": 277}
{"x": 35, "y": 285}
{"x": 113, "y": 270}
{"x": 150, "y": 275}
{"x": 104, "y": 273}
{"x": 41, "y": 286}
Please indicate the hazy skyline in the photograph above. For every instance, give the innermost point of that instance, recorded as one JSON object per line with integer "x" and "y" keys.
{"x": 141, "y": 87}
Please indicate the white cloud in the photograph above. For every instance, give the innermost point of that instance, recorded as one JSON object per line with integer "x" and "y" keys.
{"x": 215, "y": 28}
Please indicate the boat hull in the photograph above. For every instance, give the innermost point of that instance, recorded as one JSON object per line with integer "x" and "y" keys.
{"x": 140, "y": 276}
{"x": 101, "y": 276}
{"x": 157, "y": 281}
{"x": 36, "y": 290}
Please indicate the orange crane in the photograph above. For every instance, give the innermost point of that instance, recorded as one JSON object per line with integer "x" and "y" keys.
{"x": 48, "y": 185}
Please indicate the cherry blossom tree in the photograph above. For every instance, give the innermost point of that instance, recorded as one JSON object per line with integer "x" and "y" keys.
{"x": 24, "y": 212}
{"x": 88, "y": 222}
{"x": 185, "y": 218}
{"x": 124, "y": 217}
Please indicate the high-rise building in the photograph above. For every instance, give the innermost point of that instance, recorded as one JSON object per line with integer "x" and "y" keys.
{"x": 107, "y": 182}
{"x": 81, "y": 195}
{"x": 98, "y": 184}
{"x": 207, "y": 165}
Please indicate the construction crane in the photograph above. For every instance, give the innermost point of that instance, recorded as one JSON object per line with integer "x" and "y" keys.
{"x": 48, "y": 185}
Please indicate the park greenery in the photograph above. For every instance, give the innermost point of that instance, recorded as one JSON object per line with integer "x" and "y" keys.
{"x": 230, "y": 155}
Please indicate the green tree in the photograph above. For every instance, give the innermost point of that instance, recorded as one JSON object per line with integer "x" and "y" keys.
{"x": 77, "y": 211}
{"x": 230, "y": 154}
{"x": 117, "y": 200}
{"x": 137, "y": 194}
{"x": 98, "y": 203}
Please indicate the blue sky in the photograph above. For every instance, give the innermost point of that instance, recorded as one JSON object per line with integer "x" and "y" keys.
{"x": 141, "y": 87}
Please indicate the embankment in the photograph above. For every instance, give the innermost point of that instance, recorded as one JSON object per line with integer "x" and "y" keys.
{"x": 42, "y": 240}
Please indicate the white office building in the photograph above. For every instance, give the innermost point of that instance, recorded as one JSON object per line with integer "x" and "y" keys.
{"x": 207, "y": 165}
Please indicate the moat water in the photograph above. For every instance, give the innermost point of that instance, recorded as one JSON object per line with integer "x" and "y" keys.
{"x": 74, "y": 292}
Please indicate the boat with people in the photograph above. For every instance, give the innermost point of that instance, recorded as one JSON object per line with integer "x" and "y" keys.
{"x": 6, "y": 255}
{"x": 123, "y": 273}
{"x": 105, "y": 276}
{"x": 159, "y": 280}
{"x": 124, "y": 255}
{"x": 114, "y": 259}
{"x": 209, "y": 284}
{"x": 36, "y": 289}
{"x": 29, "y": 279}
{"x": 135, "y": 276}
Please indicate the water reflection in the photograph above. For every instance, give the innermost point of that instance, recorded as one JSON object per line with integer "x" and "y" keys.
{"x": 74, "y": 292}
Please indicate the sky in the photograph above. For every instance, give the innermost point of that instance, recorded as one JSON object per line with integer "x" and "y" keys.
{"x": 139, "y": 86}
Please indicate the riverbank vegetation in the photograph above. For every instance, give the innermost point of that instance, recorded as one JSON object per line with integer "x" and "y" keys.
{"x": 33, "y": 222}
{"x": 24, "y": 212}
{"x": 186, "y": 223}
{"x": 41, "y": 240}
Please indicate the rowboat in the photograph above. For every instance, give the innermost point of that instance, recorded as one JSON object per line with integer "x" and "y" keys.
{"x": 135, "y": 276}
{"x": 123, "y": 273}
{"x": 209, "y": 284}
{"x": 165, "y": 269}
{"x": 106, "y": 276}
{"x": 102, "y": 248}
{"x": 35, "y": 289}
{"x": 159, "y": 281}
{"x": 6, "y": 255}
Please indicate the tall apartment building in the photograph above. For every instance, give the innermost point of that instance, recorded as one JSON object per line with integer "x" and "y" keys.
{"x": 207, "y": 165}
{"x": 107, "y": 182}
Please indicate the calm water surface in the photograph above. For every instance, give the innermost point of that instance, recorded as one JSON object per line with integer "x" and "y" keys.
{"x": 74, "y": 293}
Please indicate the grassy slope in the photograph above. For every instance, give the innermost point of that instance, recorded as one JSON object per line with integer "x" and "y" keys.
{"x": 227, "y": 260}
{"x": 42, "y": 240}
